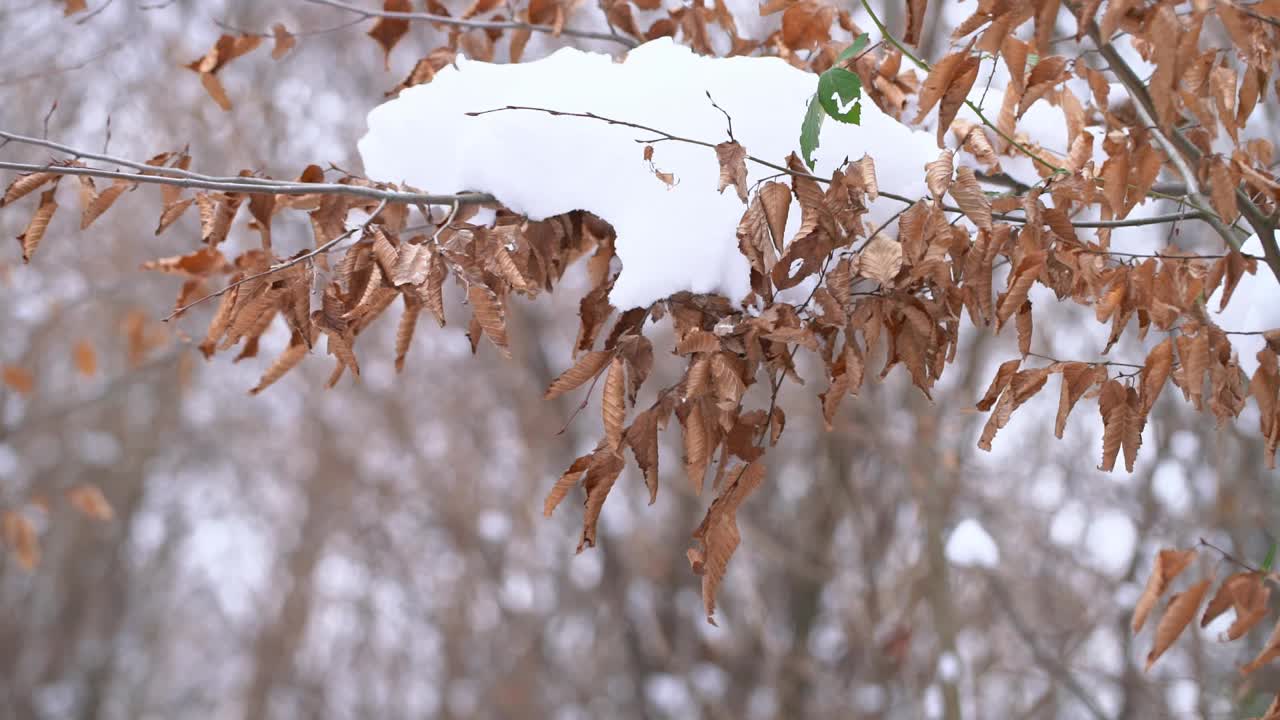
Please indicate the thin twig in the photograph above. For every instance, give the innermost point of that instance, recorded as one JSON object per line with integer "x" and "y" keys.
{"x": 663, "y": 135}
{"x": 1052, "y": 665}
{"x": 1107, "y": 363}
{"x": 366, "y": 13}
{"x": 326, "y": 247}
{"x": 724, "y": 112}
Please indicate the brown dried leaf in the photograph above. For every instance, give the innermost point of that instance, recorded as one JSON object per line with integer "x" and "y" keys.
{"x": 286, "y": 361}
{"x": 1077, "y": 378}
{"x": 565, "y": 483}
{"x": 697, "y": 447}
{"x": 642, "y": 436}
{"x": 733, "y": 167}
{"x": 1182, "y": 609}
{"x": 1269, "y": 652}
{"x": 938, "y": 81}
{"x": 1122, "y": 421}
{"x": 34, "y": 233}
{"x": 102, "y": 202}
{"x": 881, "y": 260}
{"x": 718, "y": 535}
{"x": 587, "y": 367}
{"x": 85, "y": 358}
{"x": 90, "y": 501}
{"x": 489, "y": 313}
{"x": 26, "y": 184}
{"x": 284, "y": 41}
{"x": 1155, "y": 372}
{"x": 1024, "y": 325}
{"x": 805, "y": 24}
{"x": 961, "y": 83}
{"x": 601, "y": 475}
{"x": 388, "y": 31}
{"x": 213, "y": 86}
{"x": 172, "y": 212}
{"x": 970, "y": 198}
{"x": 18, "y": 379}
{"x": 613, "y": 406}
{"x": 1169, "y": 564}
{"x": 915, "y": 21}
{"x": 999, "y": 383}
{"x": 20, "y": 536}
{"x": 937, "y": 174}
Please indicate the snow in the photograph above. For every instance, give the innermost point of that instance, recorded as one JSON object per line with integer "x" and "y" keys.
{"x": 971, "y": 546}
{"x": 669, "y": 239}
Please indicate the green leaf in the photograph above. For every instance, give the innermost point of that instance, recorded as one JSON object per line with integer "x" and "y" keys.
{"x": 839, "y": 91}
{"x": 809, "y": 130}
{"x": 1268, "y": 563}
{"x": 859, "y": 43}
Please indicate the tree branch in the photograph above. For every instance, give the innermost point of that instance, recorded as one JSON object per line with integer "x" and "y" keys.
{"x": 284, "y": 265}
{"x": 273, "y": 188}
{"x": 1175, "y": 147}
{"x": 479, "y": 24}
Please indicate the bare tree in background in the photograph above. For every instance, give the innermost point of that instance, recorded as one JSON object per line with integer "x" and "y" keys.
{"x": 378, "y": 549}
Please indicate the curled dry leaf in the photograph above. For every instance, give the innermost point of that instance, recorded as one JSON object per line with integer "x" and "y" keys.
{"x": 718, "y": 537}
{"x": 39, "y": 223}
{"x": 97, "y": 203}
{"x": 1269, "y": 652}
{"x": 387, "y": 31}
{"x": 226, "y": 49}
{"x": 587, "y": 367}
{"x": 1022, "y": 386}
{"x": 18, "y": 379}
{"x": 85, "y": 358}
{"x": 1169, "y": 564}
{"x": 915, "y": 21}
{"x": 733, "y": 167}
{"x": 1003, "y": 374}
{"x": 1182, "y": 609}
{"x": 90, "y": 501}
{"x": 491, "y": 317}
{"x": 936, "y": 83}
{"x": 807, "y": 23}
{"x": 603, "y": 472}
{"x": 566, "y": 483}
{"x": 970, "y": 198}
{"x": 26, "y": 184}
{"x": 881, "y": 260}
{"x": 961, "y": 83}
{"x": 613, "y": 405}
{"x": 865, "y": 169}
{"x": 1248, "y": 595}
{"x": 1077, "y": 378}
{"x": 642, "y": 437}
{"x": 697, "y": 446}
{"x": 285, "y": 362}
{"x": 284, "y": 41}
{"x": 20, "y": 536}
{"x": 937, "y": 174}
